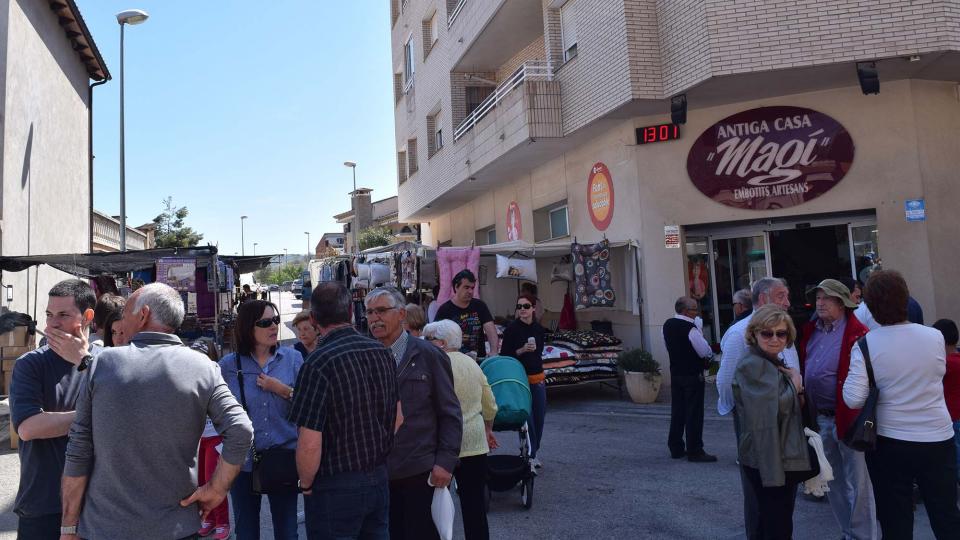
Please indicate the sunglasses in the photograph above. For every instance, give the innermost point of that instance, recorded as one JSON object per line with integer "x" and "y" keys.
{"x": 768, "y": 334}
{"x": 267, "y": 323}
{"x": 524, "y": 306}
{"x": 380, "y": 311}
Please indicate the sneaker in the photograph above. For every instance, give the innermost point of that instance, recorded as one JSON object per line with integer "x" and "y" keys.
{"x": 536, "y": 463}
{"x": 206, "y": 528}
{"x": 221, "y": 533}
{"x": 702, "y": 457}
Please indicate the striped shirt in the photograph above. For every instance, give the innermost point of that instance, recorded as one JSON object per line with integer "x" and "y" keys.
{"x": 348, "y": 392}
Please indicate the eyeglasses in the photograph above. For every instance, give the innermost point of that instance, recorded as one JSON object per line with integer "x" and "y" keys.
{"x": 267, "y": 323}
{"x": 524, "y": 306}
{"x": 380, "y": 311}
{"x": 768, "y": 334}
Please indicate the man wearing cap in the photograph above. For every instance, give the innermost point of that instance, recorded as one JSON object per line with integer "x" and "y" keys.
{"x": 825, "y": 360}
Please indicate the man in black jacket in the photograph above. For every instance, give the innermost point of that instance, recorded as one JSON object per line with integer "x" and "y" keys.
{"x": 427, "y": 446}
{"x": 690, "y": 355}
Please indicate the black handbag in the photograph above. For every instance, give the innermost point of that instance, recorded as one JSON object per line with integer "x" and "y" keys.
{"x": 274, "y": 469}
{"x": 862, "y": 433}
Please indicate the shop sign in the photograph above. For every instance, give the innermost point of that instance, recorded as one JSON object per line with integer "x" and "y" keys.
{"x": 916, "y": 209}
{"x": 600, "y": 196}
{"x": 514, "y": 225}
{"x": 671, "y": 236}
{"x": 770, "y": 157}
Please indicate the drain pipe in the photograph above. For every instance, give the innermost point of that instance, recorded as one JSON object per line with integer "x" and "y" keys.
{"x": 90, "y": 157}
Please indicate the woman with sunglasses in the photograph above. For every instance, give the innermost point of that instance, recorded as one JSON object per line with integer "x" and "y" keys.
{"x": 771, "y": 442}
{"x": 523, "y": 339}
{"x": 267, "y": 374}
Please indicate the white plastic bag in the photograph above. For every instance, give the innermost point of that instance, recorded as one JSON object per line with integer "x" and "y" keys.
{"x": 442, "y": 511}
{"x": 818, "y": 485}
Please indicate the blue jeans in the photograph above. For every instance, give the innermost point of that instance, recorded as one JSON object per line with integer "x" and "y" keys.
{"x": 45, "y": 527}
{"x": 851, "y": 494}
{"x": 539, "y": 393}
{"x": 352, "y": 506}
{"x": 246, "y": 511}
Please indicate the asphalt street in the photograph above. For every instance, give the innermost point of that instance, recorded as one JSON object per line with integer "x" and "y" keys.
{"x": 607, "y": 474}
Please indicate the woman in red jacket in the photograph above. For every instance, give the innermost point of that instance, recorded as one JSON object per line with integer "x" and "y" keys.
{"x": 951, "y": 380}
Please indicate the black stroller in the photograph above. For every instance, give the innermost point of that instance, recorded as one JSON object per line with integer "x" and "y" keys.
{"x": 508, "y": 380}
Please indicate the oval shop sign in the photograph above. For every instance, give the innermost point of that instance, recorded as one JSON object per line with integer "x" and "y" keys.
{"x": 770, "y": 157}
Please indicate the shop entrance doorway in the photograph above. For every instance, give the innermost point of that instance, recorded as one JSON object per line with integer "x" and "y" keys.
{"x": 724, "y": 259}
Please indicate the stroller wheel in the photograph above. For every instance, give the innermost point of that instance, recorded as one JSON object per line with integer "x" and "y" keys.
{"x": 526, "y": 493}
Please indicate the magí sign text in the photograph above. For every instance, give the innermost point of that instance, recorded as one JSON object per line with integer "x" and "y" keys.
{"x": 771, "y": 157}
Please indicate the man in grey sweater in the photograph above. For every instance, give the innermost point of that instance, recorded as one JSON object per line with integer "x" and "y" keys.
{"x": 131, "y": 466}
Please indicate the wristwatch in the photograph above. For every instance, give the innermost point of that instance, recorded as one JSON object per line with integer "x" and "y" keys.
{"x": 302, "y": 488}
{"x": 84, "y": 364}
{"x": 290, "y": 395}
{"x": 72, "y": 529}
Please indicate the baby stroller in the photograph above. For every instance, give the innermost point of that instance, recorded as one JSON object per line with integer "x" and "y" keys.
{"x": 508, "y": 380}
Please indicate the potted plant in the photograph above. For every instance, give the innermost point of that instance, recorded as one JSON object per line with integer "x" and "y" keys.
{"x": 642, "y": 375}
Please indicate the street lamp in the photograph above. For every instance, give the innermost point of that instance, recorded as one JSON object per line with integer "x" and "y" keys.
{"x": 356, "y": 219}
{"x": 131, "y": 16}
{"x": 243, "y": 245}
{"x": 284, "y": 256}
{"x": 254, "y": 248}
{"x": 308, "y": 244}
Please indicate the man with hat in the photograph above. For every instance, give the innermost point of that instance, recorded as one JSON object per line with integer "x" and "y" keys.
{"x": 824, "y": 353}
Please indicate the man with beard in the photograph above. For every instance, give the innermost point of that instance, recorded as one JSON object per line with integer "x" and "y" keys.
{"x": 427, "y": 446}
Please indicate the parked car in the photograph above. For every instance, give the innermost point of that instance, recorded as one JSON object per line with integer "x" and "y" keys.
{"x": 297, "y": 288}
{"x": 274, "y": 288}
{"x": 286, "y": 286}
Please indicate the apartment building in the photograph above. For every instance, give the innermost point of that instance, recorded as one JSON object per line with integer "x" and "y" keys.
{"x": 365, "y": 213}
{"x": 48, "y": 60}
{"x": 821, "y": 138}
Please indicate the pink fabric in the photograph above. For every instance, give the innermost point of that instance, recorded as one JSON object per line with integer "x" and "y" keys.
{"x": 453, "y": 260}
{"x": 207, "y": 463}
{"x": 568, "y": 318}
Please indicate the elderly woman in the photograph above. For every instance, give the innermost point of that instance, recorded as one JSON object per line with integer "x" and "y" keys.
{"x": 914, "y": 432}
{"x": 307, "y": 334}
{"x": 771, "y": 442}
{"x": 261, "y": 376}
{"x": 479, "y": 409}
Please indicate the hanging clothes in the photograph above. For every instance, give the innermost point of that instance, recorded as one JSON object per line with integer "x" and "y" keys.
{"x": 568, "y": 317}
{"x": 592, "y": 280}
{"x": 453, "y": 260}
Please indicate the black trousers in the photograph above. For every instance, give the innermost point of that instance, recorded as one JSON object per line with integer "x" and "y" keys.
{"x": 767, "y": 511}
{"x": 894, "y": 466}
{"x": 45, "y": 527}
{"x": 686, "y": 414}
{"x": 471, "y": 477}
{"x": 410, "y": 502}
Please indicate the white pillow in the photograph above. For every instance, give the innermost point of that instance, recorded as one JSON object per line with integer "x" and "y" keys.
{"x": 516, "y": 268}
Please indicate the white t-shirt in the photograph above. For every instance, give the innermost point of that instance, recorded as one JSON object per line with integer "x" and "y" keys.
{"x": 862, "y": 313}
{"x": 909, "y": 361}
{"x": 209, "y": 430}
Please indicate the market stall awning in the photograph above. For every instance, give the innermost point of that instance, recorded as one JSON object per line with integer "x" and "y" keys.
{"x": 246, "y": 264}
{"x": 542, "y": 249}
{"x": 395, "y": 247}
{"x": 91, "y": 264}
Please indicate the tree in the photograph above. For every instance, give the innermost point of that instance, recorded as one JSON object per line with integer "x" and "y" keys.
{"x": 374, "y": 237}
{"x": 171, "y": 231}
{"x": 327, "y": 251}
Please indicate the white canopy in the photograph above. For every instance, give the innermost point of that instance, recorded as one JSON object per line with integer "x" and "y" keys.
{"x": 554, "y": 248}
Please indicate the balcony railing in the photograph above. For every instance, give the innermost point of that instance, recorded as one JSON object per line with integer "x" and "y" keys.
{"x": 532, "y": 71}
{"x": 455, "y": 13}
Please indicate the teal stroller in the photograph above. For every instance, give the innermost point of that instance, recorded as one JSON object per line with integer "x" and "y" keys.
{"x": 508, "y": 380}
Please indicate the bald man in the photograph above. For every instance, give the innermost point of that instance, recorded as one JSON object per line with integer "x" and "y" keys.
{"x": 690, "y": 354}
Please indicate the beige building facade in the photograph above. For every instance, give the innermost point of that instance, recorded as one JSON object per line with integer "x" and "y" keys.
{"x": 47, "y": 61}
{"x": 592, "y": 72}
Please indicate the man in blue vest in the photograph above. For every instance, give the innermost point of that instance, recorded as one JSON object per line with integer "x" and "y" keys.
{"x": 690, "y": 354}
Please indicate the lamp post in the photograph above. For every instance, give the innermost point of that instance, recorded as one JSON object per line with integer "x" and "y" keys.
{"x": 255, "y": 248}
{"x": 308, "y": 244}
{"x": 243, "y": 245}
{"x": 356, "y": 219}
{"x": 131, "y": 16}
{"x": 284, "y": 256}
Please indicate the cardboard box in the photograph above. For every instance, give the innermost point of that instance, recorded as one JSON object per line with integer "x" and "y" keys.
{"x": 14, "y": 352}
{"x": 17, "y": 337}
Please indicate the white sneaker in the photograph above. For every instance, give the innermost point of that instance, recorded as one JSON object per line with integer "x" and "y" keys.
{"x": 536, "y": 463}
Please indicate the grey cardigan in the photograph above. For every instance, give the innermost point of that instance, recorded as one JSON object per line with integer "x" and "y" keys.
{"x": 432, "y": 423}
{"x": 771, "y": 421}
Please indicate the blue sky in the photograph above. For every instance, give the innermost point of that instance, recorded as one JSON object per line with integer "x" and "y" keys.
{"x": 245, "y": 108}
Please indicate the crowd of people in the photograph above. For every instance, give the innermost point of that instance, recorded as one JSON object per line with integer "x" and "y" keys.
{"x": 796, "y": 399}
{"x": 127, "y": 433}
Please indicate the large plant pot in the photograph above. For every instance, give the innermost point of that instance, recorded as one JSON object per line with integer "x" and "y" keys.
{"x": 642, "y": 387}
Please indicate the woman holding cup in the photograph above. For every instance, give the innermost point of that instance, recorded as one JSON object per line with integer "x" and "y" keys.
{"x": 523, "y": 339}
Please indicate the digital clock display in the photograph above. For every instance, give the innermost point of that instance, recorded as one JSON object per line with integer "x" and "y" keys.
{"x": 662, "y": 132}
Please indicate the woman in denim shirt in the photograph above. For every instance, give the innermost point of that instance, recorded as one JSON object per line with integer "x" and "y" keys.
{"x": 269, "y": 373}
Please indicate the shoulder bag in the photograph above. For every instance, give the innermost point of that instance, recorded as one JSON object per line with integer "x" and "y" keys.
{"x": 862, "y": 434}
{"x": 274, "y": 469}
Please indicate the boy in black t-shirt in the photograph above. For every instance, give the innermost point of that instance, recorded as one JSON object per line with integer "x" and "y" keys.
{"x": 471, "y": 314}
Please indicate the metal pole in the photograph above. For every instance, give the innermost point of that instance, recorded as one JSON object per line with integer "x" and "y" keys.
{"x": 123, "y": 166}
{"x": 243, "y": 245}
{"x": 308, "y": 246}
{"x": 356, "y": 218}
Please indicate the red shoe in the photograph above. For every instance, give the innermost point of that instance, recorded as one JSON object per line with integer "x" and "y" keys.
{"x": 222, "y": 532}
{"x": 206, "y": 528}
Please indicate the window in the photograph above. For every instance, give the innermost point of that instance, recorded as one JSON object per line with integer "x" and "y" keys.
{"x": 484, "y": 237}
{"x": 430, "y": 36}
{"x": 435, "y": 134}
{"x": 558, "y": 222}
{"x": 568, "y": 30}
{"x": 408, "y": 64}
{"x": 397, "y": 87}
{"x": 401, "y": 167}
{"x": 492, "y": 236}
{"x": 411, "y": 157}
{"x": 476, "y": 95}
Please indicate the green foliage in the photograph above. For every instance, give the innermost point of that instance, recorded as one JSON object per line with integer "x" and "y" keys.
{"x": 287, "y": 272}
{"x": 638, "y": 361}
{"x": 374, "y": 237}
{"x": 171, "y": 231}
